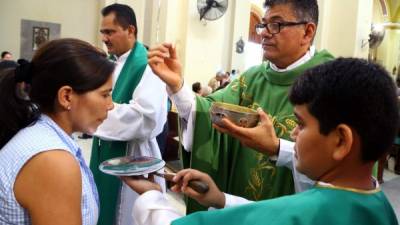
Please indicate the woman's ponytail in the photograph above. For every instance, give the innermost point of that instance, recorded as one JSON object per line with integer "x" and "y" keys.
{"x": 16, "y": 109}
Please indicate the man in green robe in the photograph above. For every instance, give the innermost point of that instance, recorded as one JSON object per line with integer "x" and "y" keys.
{"x": 288, "y": 30}
{"x": 137, "y": 118}
{"x": 336, "y": 145}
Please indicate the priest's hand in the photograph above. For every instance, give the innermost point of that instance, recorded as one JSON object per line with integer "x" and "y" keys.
{"x": 212, "y": 198}
{"x": 261, "y": 138}
{"x": 164, "y": 63}
{"x": 140, "y": 184}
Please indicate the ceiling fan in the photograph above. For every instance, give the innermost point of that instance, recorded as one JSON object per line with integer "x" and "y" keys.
{"x": 376, "y": 36}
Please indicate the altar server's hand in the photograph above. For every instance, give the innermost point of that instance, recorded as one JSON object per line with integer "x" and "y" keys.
{"x": 212, "y": 198}
{"x": 164, "y": 63}
{"x": 261, "y": 138}
{"x": 140, "y": 184}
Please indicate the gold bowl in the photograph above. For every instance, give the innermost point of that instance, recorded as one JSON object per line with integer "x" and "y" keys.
{"x": 239, "y": 115}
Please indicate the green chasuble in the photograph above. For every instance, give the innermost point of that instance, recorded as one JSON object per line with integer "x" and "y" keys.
{"x": 318, "y": 206}
{"x": 109, "y": 186}
{"x": 236, "y": 169}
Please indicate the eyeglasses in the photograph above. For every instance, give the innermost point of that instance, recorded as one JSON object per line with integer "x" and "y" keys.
{"x": 275, "y": 28}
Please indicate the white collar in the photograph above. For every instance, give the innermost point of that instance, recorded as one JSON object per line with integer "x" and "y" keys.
{"x": 309, "y": 54}
{"x": 124, "y": 56}
{"x": 324, "y": 184}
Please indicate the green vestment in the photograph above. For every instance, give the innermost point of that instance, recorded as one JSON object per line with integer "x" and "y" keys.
{"x": 109, "y": 186}
{"x": 236, "y": 169}
{"x": 317, "y": 206}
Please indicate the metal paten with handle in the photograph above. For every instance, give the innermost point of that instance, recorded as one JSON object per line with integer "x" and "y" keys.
{"x": 138, "y": 166}
{"x": 196, "y": 185}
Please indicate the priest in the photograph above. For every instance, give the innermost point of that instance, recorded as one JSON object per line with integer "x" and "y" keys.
{"x": 288, "y": 29}
{"x": 336, "y": 145}
{"x": 138, "y": 116}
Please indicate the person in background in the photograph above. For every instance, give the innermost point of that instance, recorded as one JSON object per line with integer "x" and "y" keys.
{"x": 336, "y": 144}
{"x": 234, "y": 75}
{"x": 7, "y": 64}
{"x": 44, "y": 178}
{"x": 139, "y": 115}
{"x": 6, "y": 56}
{"x": 288, "y": 29}
{"x": 7, "y": 61}
{"x": 196, "y": 88}
{"x": 398, "y": 84}
{"x": 398, "y": 71}
{"x": 225, "y": 80}
{"x": 163, "y": 136}
{"x": 215, "y": 82}
{"x": 205, "y": 91}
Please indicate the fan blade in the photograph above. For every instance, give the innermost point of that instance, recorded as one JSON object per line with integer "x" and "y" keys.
{"x": 210, "y": 2}
{"x": 221, "y": 9}
{"x": 219, "y": 5}
{"x": 203, "y": 11}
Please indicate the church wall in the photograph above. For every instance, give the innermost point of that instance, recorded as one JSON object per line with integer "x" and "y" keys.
{"x": 204, "y": 46}
{"x": 389, "y": 50}
{"x": 176, "y": 26}
{"x": 78, "y": 19}
{"x": 139, "y": 7}
{"x": 344, "y": 26}
{"x": 388, "y": 53}
{"x": 240, "y": 30}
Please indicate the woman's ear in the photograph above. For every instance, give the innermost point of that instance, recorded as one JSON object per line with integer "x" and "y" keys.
{"x": 345, "y": 138}
{"x": 64, "y": 97}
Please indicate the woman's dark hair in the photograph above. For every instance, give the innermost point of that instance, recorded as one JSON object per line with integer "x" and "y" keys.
{"x": 57, "y": 63}
{"x": 353, "y": 92}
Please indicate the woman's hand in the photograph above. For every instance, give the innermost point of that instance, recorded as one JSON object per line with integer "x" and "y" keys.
{"x": 140, "y": 184}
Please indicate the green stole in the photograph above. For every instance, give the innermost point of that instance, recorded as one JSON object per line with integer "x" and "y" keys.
{"x": 109, "y": 186}
{"x": 320, "y": 205}
{"x": 237, "y": 169}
